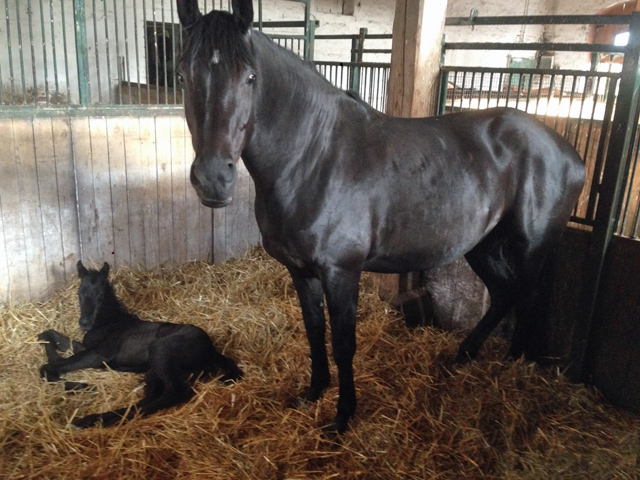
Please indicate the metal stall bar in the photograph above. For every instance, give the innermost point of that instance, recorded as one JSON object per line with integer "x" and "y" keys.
{"x": 107, "y": 50}
{"x": 20, "y": 54}
{"x": 624, "y": 127}
{"x": 602, "y": 148}
{"x": 82, "y": 52}
{"x": 628, "y": 197}
{"x": 47, "y": 95}
{"x": 32, "y": 52}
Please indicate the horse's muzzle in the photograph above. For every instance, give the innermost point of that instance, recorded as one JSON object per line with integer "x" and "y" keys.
{"x": 214, "y": 180}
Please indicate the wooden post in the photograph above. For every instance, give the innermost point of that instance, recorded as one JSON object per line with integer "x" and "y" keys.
{"x": 415, "y": 57}
{"x": 413, "y": 83}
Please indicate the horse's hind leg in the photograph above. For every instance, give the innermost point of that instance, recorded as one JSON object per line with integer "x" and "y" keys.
{"x": 489, "y": 260}
{"x": 169, "y": 388}
{"x": 160, "y": 392}
{"x": 530, "y": 305}
{"x": 500, "y": 284}
{"x": 510, "y": 265}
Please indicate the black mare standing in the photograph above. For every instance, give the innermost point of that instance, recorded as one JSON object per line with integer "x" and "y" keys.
{"x": 342, "y": 188}
{"x": 172, "y": 355}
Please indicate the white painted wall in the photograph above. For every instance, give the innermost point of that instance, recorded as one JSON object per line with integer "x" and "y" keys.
{"x": 529, "y": 33}
{"x": 375, "y": 15}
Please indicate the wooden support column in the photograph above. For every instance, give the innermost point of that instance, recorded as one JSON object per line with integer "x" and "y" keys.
{"x": 413, "y": 82}
{"x": 415, "y": 57}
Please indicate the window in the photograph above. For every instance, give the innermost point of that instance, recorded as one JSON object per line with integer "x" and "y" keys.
{"x": 163, "y": 52}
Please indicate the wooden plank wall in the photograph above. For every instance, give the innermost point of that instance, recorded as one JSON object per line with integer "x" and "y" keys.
{"x": 110, "y": 189}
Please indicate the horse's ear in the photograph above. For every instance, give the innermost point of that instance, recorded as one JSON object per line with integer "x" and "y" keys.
{"x": 188, "y": 12}
{"x": 105, "y": 269}
{"x": 82, "y": 271}
{"x": 243, "y": 12}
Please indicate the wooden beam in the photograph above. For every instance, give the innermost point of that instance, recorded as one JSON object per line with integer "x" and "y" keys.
{"x": 415, "y": 58}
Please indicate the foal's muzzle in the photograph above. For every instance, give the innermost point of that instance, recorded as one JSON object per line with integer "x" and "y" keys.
{"x": 214, "y": 180}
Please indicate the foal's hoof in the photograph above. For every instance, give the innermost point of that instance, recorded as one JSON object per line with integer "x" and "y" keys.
{"x": 75, "y": 386}
{"x": 49, "y": 373}
{"x": 45, "y": 336}
{"x": 87, "y": 421}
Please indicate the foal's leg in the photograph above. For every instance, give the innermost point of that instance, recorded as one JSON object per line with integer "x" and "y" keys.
{"x": 311, "y": 298}
{"x": 153, "y": 388}
{"x": 164, "y": 390}
{"x": 84, "y": 359}
{"x": 55, "y": 342}
{"x": 341, "y": 288}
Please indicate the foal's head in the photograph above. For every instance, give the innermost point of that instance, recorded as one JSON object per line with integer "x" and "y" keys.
{"x": 94, "y": 289}
{"x": 218, "y": 77}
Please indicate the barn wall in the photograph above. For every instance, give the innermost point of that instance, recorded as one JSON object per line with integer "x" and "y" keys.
{"x": 110, "y": 189}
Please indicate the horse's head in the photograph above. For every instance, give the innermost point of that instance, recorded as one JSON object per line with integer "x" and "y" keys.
{"x": 218, "y": 76}
{"x": 94, "y": 284}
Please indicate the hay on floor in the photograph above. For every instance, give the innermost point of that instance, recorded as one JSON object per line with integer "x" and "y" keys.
{"x": 420, "y": 416}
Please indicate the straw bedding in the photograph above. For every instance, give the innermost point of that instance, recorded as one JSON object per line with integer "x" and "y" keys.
{"x": 420, "y": 416}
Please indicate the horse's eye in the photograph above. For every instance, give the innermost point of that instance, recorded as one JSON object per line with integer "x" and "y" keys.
{"x": 251, "y": 79}
{"x": 180, "y": 79}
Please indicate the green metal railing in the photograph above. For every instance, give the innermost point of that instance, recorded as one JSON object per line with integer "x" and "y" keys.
{"x": 367, "y": 78}
{"x": 109, "y": 57}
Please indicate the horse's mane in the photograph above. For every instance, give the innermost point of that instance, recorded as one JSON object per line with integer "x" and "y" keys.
{"x": 287, "y": 56}
{"x": 217, "y": 33}
{"x": 299, "y": 65}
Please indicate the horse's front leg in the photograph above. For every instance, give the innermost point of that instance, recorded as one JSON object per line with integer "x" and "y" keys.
{"x": 341, "y": 289}
{"x": 84, "y": 359}
{"x": 54, "y": 341}
{"x": 311, "y": 297}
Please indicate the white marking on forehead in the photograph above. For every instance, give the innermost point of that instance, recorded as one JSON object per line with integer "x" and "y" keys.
{"x": 215, "y": 59}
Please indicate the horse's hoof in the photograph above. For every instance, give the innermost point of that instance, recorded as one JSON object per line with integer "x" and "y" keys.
{"x": 514, "y": 354}
{"x": 335, "y": 429}
{"x": 465, "y": 357}
{"x": 312, "y": 394}
{"x": 298, "y": 403}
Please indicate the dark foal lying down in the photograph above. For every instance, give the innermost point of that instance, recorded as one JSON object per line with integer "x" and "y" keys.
{"x": 171, "y": 355}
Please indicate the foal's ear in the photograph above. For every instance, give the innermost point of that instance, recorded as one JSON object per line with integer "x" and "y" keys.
{"x": 243, "y": 12}
{"x": 188, "y": 12}
{"x": 105, "y": 269}
{"x": 82, "y": 271}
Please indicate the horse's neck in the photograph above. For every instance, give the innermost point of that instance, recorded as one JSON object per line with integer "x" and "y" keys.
{"x": 112, "y": 308}
{"x": 287, "y": 130}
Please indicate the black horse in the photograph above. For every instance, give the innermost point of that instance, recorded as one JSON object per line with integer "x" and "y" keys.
{"x": 172, "y": 355}
{"x": 342, "y": 188}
